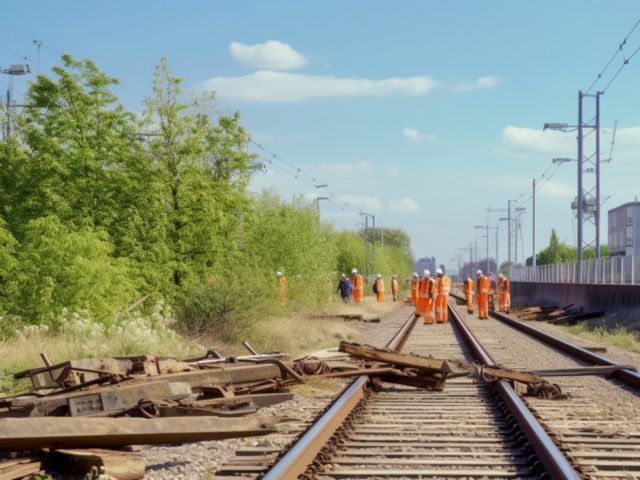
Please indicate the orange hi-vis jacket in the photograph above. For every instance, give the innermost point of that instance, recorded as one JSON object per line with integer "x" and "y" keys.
{"x": 468, "y": 287}
{"x": 415, "y": 284}
{"x": 394, "y": 285}
{"x": 443, "y": 287}
{"x": 425, "y": 298}
{"x": 483, "y": 285}
{"x": 358, "y": 286}
{"x": 282, "y": 287}
{"x": 505, "y": 297}
{"x": 468, "y": 293}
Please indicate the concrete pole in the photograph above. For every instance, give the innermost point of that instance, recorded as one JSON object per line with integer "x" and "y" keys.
{"x": 533, "y": 212}
{"x": 509, "y": 235}
{"x": 597, "y": 211}
{"x": 487, "y": 244}
{"x": 580, "y": 192}
{"x": 366, "y": 231}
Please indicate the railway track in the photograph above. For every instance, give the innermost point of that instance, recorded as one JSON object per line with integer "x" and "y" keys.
{"x": 470, "y": 430}
{"x": 598, "y": 428}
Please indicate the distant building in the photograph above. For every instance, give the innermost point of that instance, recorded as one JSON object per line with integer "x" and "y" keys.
{"x": 426, "y": 263}
{"x": 624, "y": 230}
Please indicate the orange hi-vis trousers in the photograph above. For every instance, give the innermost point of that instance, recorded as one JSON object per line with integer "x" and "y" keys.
{"x": 414, "y": 294}
{"x": 442, "y": 312}
{"x": 483, "y": 306}
{"x": 469, "y": 297}
{"x": 505, "y": 302}
{"x": 425, "y": 308}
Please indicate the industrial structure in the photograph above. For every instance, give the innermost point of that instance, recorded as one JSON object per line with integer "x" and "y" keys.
{"x": 624, "y": 230}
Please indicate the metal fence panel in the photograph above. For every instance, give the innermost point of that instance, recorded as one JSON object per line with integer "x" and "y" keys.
{"x": 621, "y": 270}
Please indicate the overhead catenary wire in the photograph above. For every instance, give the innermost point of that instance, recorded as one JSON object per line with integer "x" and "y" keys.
{"x": 625, "y": 61}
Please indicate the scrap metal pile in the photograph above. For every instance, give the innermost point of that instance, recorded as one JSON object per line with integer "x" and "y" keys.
{"x": 567, "y": 315}
{"x": 81, "y": 413}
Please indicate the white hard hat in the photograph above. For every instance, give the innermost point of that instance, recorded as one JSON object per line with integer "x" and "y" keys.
{"x": 378, "y": 276}
{"x": 354, "y": 271}
{"x": 426, "y": 272}
{"x": 278, "y": 274}
{"x": 415, "y": 274}
{"x": 479, "y": 272}
{"x": 439, "y": 272}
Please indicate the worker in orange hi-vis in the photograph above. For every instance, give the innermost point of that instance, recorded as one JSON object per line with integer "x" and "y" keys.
{"x": 415, "y": 284}
{"x": 282, "y": 287}
{"x": 378, "y": 288}
{"x": 443, "y": 287}
{"x": 482, "y": 292}
{"x": 468, "y": 293}
{"x": 505, "y": 293}
{"x": 425, "y": 298}
{"x": 394, "y": 287}
{"x": 357, "y": 284}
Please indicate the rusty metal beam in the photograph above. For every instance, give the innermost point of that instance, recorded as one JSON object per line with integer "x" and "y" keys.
{"x": 424, "y": 364}
{"x": 70, "y": 432}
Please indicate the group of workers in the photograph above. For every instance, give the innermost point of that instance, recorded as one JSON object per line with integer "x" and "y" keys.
{"x": 347, "y": 287}
{"x": 355, "y": 285}
{"x": 429, "y": 295}
{"x": 483, "y": 290}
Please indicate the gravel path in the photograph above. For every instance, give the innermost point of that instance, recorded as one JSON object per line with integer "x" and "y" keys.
{"x": 202, "y": 459}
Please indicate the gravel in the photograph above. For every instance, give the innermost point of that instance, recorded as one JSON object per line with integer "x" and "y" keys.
{"x": 201, "y": 460}
{"x": 514, "y": 349}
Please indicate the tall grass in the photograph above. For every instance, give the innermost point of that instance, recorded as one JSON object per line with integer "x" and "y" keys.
{"x": 614, "y": 336}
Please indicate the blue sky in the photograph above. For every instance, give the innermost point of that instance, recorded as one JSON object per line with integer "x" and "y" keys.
{"x": 423, "y": 113}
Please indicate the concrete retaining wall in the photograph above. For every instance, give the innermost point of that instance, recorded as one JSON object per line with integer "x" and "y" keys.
{"x": 619, "y": 299}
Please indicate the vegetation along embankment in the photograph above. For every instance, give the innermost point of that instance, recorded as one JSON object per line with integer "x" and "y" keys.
{"x": 131, "y": 232}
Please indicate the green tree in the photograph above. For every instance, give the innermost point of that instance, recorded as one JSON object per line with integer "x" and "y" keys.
{"x": 64, "y": 268}
{"x": 200, "y": 170}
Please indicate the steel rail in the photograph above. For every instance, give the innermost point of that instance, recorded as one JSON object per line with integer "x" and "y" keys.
{"x": 302, "y": 454}
{"x": 626, "y": 375}
{"x": 630, "y": 377}
{"x": 557, "y": 465}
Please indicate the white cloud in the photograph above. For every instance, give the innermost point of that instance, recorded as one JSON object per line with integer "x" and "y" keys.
{"x": 404, "y": 205}
{"x": 553, "y": 189}
{"x": 549, "y": 141}
{"x": 392, "y": 170}
{"x": 416, "y": 136}
{"x": 368, "y": 203}
{"x": 480, "y": 83}
{"x": 271, "y": 55}
{"x": 269, "y": 86}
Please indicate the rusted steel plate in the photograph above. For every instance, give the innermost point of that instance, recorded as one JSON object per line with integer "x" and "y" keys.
{"x": 69, "y": 432}
{"x": 117, "y": 398}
